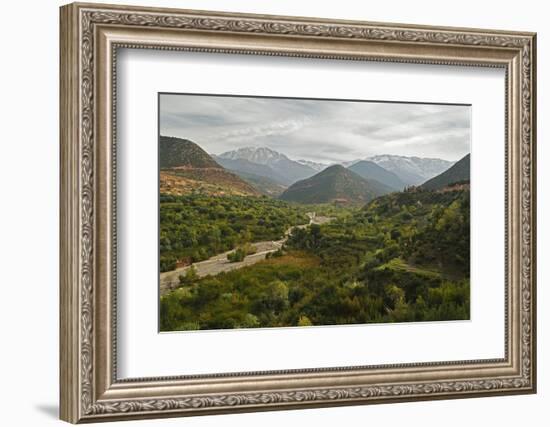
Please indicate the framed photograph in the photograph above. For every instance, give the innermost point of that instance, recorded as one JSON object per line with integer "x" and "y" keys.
{"x": 266, "y": 212}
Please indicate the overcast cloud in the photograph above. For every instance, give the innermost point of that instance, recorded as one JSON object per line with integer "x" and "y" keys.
{"x": 322, "y": 131}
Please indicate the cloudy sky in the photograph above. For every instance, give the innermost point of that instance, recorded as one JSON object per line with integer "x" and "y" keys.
{"x": 317, "y": 130}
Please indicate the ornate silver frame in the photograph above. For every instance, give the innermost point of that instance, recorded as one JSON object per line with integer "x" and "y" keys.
{"x": 90, "y": 36}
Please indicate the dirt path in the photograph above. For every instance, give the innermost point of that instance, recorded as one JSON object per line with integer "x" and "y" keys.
{"x": 219, "y": 263}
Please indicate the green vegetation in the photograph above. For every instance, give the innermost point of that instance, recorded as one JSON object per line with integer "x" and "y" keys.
{"x": 334, "y": 184}
{"x": 241, "y": 252}
{"x": 196, "y": 227}
{"x": 402, "y": 257}
{"x": 189, "y": 276}
{"x": 236, "y": 256}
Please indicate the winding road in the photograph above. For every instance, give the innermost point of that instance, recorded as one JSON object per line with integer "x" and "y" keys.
{"x": 219, "y": 263}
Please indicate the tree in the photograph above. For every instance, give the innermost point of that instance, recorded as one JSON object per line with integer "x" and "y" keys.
{"x": 190, "y": 276}
{"x": 250, "y": 321}
{"x": 399, "y": 312}
{"x": 304, "y": 321}
{"x": 237, "y": 255}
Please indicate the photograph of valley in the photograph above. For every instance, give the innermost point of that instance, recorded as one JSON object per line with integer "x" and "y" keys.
{"x": 290, "y": 212}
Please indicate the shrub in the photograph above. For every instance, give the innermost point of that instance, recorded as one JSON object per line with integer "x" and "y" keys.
{"x": 237, "y": 255}
{"x": 304, "y": 321}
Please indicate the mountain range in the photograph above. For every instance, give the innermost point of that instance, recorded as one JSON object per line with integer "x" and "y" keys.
{"x": 411, "y": 170}
{"x": 186, "y": 167}
{"x": 280, "y": 169}
{"x": 283, "y": 170}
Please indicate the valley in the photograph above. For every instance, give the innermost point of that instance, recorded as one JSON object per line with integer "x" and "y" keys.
{"x": 252, "y": 238}
{"x": 220, "y": 263}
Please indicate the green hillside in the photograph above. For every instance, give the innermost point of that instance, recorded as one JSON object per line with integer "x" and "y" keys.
{"x": 178, "y": 152}
{"x": 458, "y": 172}
{"x": 334, "y": 184}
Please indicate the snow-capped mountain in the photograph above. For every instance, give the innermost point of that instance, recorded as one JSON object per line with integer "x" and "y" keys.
{"x": 260, "y": 155}
{"x": 279, "y": 168}
{"x": 313, "y": 165}
{"x": 290, "y": 170}
{"x": 412, "y": 170}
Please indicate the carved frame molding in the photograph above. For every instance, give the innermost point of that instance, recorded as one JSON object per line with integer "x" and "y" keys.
{"x": 90, "y": 36}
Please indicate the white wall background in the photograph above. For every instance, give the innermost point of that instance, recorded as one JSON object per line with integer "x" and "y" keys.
{"x": 29, "y": 170}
